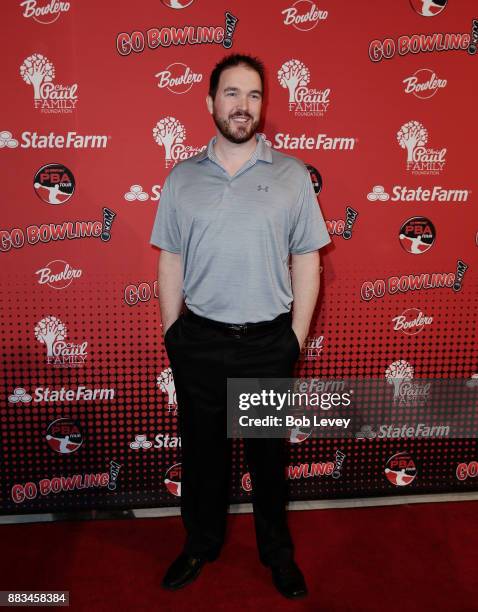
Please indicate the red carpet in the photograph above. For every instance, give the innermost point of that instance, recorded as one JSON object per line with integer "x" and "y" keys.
{"x": 415, "y": 557}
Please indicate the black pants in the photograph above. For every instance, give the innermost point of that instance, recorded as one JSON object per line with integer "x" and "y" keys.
{"x": 202, "y": 357}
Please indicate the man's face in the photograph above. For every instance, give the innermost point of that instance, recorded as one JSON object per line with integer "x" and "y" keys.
{"x": 236, "y": 109}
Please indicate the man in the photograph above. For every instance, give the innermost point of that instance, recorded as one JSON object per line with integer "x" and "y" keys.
{"x": 228, "y": 219}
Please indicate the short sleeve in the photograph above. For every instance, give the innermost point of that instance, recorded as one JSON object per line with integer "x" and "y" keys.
{"x": 165, "y": 234}
{"x": 308, "y": 229}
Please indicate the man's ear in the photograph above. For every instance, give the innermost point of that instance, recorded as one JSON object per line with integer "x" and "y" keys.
{"x": 209, "y": 103}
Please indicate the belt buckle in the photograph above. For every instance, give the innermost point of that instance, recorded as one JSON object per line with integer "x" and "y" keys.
{"x": 238, "y": 329}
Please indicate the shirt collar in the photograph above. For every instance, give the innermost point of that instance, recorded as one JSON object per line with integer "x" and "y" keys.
{"x": 262, "y": 151}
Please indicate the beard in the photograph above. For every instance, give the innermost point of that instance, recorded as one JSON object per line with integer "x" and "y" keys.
{"x": 236, "y": 134}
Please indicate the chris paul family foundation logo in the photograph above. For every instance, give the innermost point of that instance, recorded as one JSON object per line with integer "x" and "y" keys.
{"x": 170, "y": 134}
{"x": 413, "y": 136}
{"x": 51, "y": 332}
{"x": 304, "y": 101}
{"x": 49, "y": 97}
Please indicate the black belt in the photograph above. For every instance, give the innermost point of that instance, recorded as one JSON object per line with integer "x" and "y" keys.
{"x": 238, "y": 329}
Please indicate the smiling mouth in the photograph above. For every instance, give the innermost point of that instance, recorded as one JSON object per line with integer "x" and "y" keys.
{"x": 241, "y": 119}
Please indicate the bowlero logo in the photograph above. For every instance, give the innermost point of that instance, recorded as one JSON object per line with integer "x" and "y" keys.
{"x": 54, "y": 184}
{"x": 64, "y": 436}
{"x": 170, "y": 133}
{"x": 423, "y": 84}
{"x": 411, "y": 321}
{"x": 413, "y": 137}
{"x": 57, "y": 274}
{"x": 39, "y": 72}
{"x": 178, "y": 78}
{"x": 401, "y": 469}
{"x": 172, "y": 480}
{"x": 303, "y": 15}
{"x": 294, "y": 76}
{"x": 428, "y": 8}
{"x": 44, "y": 11}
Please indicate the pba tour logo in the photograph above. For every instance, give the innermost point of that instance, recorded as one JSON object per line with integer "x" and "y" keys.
{"x": 414, "y": 282}
{"x": 170, "y": 134}
{"x": 58, "y": 274}
{"x": 51, "y": 332}
{"x": 406, "y": 392}
{"x": 294, "y": 76}
{"x": 400, "y": 469}
{"x": 423, "y": 84}
{"x": 34, "y": 140}
{"x": 51, "y": 232}
{"x": 64, "y": 436}
{"x": 413, "y": 137}
{"x": 303, "y": 15}
{"x": 172, "y": 480}
{"x": 417, "y": 235}
{"x": 177, "y": 4}
{"x": 178, "y": 78}
{"x": 428, "y": 8}
{"x": 44, "y": 11}
{"x": 49, "y": 97}
{"x": 411, "y": 322}
{"x": 154, "y": 38}
{"x": 402, "y": 193}
{"x": 54, "y": 184}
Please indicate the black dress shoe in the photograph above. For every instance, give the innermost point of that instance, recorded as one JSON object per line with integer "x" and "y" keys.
{"x": 182, "y": 571}
{"x": 289, "y": 581}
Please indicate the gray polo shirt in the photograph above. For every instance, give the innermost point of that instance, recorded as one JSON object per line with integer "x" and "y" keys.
{"x": 235, "y": 233}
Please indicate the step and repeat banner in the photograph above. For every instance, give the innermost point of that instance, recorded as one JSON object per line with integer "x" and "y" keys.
{"x": 99, "y": 102}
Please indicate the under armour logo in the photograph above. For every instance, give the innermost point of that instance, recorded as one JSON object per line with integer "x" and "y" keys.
{"x": 260, "y": 188}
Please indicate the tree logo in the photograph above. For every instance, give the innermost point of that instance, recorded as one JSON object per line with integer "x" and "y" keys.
{"x": 417, "y": 235}
{"x": 54, "y": 183}
{"x": 303, "y": 15}
{"x": 165, "y": 382}
{"x": 52, "y": 98}
{"x": 51, "y": 332}
{"x": 428, "y": 8}
{"x": 396, "y": 373}
{"x": 413, "y": 137}
{"x": 170, "y": 133}
{"x": 294, "y": 76}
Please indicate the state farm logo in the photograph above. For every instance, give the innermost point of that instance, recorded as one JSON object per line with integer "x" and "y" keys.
{"x": 57, "y": 274}
{"x": 417, "y": 235}
{"x": 411, "y": 321}
{"x": 51, "y": 332}
{"x": 423, "y": 84}
{"x": 64, "y": 436}
{"x": 44, "y": 11}
{"x": 413, "y": 137}
{"x": 161, "y": 441}
{"x": 39, "y": 72}
{"x": 303, "y": 15}
{"x": 177, "y": 4}
{"x": 321, "y": 142}
{"x": 34, "y": 140}
{"x": 137, "y": 194}
{"x": 178, "y": 78}
{"x": 49, "y": 395}
{"x": 402, "y": 193}
{"x": 294, "y": 76}
{"x": 171, "y": 134}
{"x": 428, "y": 8}
{"x": 54, "y": 183}
{"x": 401, "y": 469}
